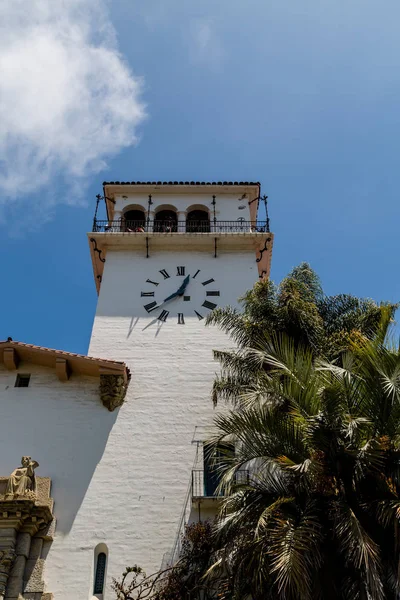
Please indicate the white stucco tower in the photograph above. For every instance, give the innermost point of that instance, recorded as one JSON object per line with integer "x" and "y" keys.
{"x": 117, "y": 436}
{"x": 167, "y": 254}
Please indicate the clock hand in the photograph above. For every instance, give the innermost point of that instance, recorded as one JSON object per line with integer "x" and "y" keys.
{"x": 180, "y": 291}
{"x": 184, "y": 285}
{"x": 174, "y": 295}
{"x": 170, "y": 297}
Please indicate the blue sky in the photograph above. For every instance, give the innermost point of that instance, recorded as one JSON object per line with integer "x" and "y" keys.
{"x": 303, "y": 97}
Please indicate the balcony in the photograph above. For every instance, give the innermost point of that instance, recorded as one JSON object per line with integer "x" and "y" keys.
{"x": 205, "y": 485}
{"x": 146, "y": 237}
{"x": 195, "y": 227}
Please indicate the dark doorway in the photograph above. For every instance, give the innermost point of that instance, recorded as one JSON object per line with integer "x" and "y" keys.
{"x": 198, "y": 221}
{"x": 134, "y": 220}
{"x": 166, "y": 220}
{"x": 212, "y": 465}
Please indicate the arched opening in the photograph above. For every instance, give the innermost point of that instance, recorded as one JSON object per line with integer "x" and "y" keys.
{"x": 198, "y": 221}
{"x": 166, "y": 220}
{"x": 134, "y": 220}
{"x": 100, "y": 571}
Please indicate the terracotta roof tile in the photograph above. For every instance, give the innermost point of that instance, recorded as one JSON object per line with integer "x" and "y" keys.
{"x": 12, "y": 343}
{"x": 181, "y": 183}
{"x": 73, "y": 358}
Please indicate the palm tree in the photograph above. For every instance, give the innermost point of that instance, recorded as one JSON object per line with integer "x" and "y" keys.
{"x": 319, "y": 516}
{"x": 327, "y": 325}
{"x": 299, "y": 308}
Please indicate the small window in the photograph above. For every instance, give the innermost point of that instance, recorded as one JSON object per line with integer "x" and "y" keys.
{"x": 22, "y": 380}
{"x": 100, "y": 573}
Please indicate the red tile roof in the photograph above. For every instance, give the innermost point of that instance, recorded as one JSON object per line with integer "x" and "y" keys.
{"x": 46, "y": 357}
{"x": 240, "y": 183}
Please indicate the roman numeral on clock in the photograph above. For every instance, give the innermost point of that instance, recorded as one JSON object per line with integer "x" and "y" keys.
{"x": 195, "y": 275}
{"x": 208, "y": 281}
{"x": 181, "y": 320}
{"x": 200, "y": 317}
{"x": 180, "y": 271}
{"x": 150, "y": 307}
{"x": 212, "y": 294}
{"x": 209, "y": 305}
{"x": 163, "y": 315}
{"x": 150, "y": 281}
{"x": 147, "y": 294}
{"x": 164, "y": 274}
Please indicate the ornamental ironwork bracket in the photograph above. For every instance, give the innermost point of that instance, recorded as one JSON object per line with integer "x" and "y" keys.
{"x": 149, "y": 203}
{"x": 265, "y": 200}
{"x": 265, "y": 249}
{"x": 100, "y": 197}
{"x": 214, "y": 204}
{"x": 261, "y": 276}
{"x": 96, "y": 249}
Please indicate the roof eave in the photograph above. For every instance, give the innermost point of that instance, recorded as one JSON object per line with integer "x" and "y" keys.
{"x": 114, "y": 376}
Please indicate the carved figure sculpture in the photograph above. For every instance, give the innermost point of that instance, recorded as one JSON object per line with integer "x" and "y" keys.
{"x": 22, "y": 480}
{"x": 7, "y": 558}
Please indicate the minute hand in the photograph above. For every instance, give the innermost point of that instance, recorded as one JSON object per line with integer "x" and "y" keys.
{"x": 183, "y": 287}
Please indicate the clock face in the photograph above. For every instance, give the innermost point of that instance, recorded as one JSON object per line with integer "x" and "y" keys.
{"x": 175, "y": 294}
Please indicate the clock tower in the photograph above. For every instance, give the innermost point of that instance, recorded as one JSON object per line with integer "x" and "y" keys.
{"x": 167, "y": 254}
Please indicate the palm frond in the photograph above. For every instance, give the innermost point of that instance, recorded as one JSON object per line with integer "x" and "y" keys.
{"x": 295, "y": 549}
{"x": 360, "y": 550}
{"x": 233, "y": 323}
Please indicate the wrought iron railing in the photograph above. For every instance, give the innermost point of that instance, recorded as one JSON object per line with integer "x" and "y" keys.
{"x": 180, "y": 226}
{"x": 205, "y": 485}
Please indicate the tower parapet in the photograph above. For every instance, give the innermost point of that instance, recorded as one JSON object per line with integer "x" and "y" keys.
{"x": 203, "y": 216}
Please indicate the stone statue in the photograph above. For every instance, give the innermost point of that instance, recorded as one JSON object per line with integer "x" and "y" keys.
{"x": 7, "y": 558}
{"x": 22, "y": 480}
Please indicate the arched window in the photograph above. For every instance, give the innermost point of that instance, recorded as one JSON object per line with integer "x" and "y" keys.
{"x": 198, "y": 221}
{"x": 100, "y": 573}
{"x": 166, "y": 220}
{"x": 134, "y": 220}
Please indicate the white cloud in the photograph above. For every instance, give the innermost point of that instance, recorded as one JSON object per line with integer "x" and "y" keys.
{"x": 205, "y": 44}
{"x": 68, "y": 101}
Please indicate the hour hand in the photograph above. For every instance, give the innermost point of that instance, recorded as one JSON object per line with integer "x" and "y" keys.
{"x": 180, "y": 291}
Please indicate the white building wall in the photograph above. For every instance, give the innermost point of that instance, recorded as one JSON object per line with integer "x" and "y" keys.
{"x": 150, "y": 452}
{"x": 226, "y": 207}
{"x": 65, "y": 427}
{"x": 121, "y": 478}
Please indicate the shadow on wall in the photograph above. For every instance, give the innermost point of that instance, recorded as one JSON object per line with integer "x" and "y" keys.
{"x": 86, "y": 450}
{"x": 65, "y": 429}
